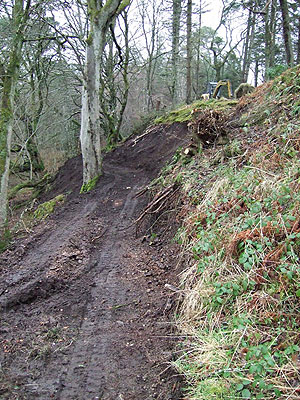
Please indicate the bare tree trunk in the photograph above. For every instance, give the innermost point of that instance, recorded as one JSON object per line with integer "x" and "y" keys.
{"x": 20, "y": 16}
{"x": 113, "y": 97}
{"x": 90, "y": 135}
{"x": 149, "y": 18}
{"x": 267, "y": 42}
{"x": 125, "y": 71}
{"x": 175, "y": 49}
{"x": 217, "y": 65}
{"x": 151, "y": 48}
{"x": 298, "y": 42}
{"x": 273, "y": 32}
{"x": 287, "y": 32}
{"x": 256, "y": 71}
{"x": 248, "y": 45}
{"x": 270, "y": 23}
{"x": 198, "y": 88}
{"x": 189, "y": 52}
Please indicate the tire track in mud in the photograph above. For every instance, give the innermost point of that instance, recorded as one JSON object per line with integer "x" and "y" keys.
{"x": 109, "y": 360}
{"x": 52, "y": 241}
{"x": 95, "y": 369}
{"x": 53, "y": 237}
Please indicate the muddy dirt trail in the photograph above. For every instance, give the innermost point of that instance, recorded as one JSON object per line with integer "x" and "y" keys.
{"x": 84, "y": 308}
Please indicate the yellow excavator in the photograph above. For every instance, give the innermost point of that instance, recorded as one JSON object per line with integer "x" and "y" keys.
{"x": 215, "y": 87}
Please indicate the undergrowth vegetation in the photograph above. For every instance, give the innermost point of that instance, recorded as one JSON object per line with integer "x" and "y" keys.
{"x": 240, "y": 306}
{"x": 31, "y": 215}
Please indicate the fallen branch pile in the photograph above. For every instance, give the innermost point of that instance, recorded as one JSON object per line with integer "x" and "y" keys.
{"x": 163, "y": 201}
{"x": 208, "y": 125}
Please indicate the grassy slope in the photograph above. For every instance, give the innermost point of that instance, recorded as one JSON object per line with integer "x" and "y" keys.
{"x": 241, "y": 231}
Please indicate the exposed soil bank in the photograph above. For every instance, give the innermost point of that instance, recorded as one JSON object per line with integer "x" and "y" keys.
{"x": 83, "y": 303}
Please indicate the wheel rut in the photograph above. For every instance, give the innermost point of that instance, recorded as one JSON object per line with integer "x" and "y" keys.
{"x": 94, "y": 369}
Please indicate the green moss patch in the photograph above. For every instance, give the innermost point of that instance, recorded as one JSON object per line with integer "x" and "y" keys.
{"x": 87, "y": 187}
{"x": 185, "y": 113}
{"x": 5, "y": 238}
{"x": 45, "y": 209}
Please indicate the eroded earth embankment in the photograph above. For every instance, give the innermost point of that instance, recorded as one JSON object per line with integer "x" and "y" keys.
{"x": 83, "y": 303}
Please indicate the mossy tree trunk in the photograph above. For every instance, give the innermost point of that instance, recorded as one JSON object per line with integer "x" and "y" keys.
{"x": 100, "y": 17}
{"x": 19, "y": 18}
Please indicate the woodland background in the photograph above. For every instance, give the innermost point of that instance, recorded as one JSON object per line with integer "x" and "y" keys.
{"x": 158, "y": 54}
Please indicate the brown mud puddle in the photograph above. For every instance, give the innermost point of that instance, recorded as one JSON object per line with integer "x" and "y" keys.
{"x": 84, "y": 308}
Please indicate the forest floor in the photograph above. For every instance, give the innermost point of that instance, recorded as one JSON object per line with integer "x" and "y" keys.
{"x": 83, "y": 303}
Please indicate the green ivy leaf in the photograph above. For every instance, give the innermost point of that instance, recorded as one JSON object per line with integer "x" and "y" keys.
{"x": 246, "y": 394}
{"x": 252, "y": 369}
{"x": 247, "y": 266}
